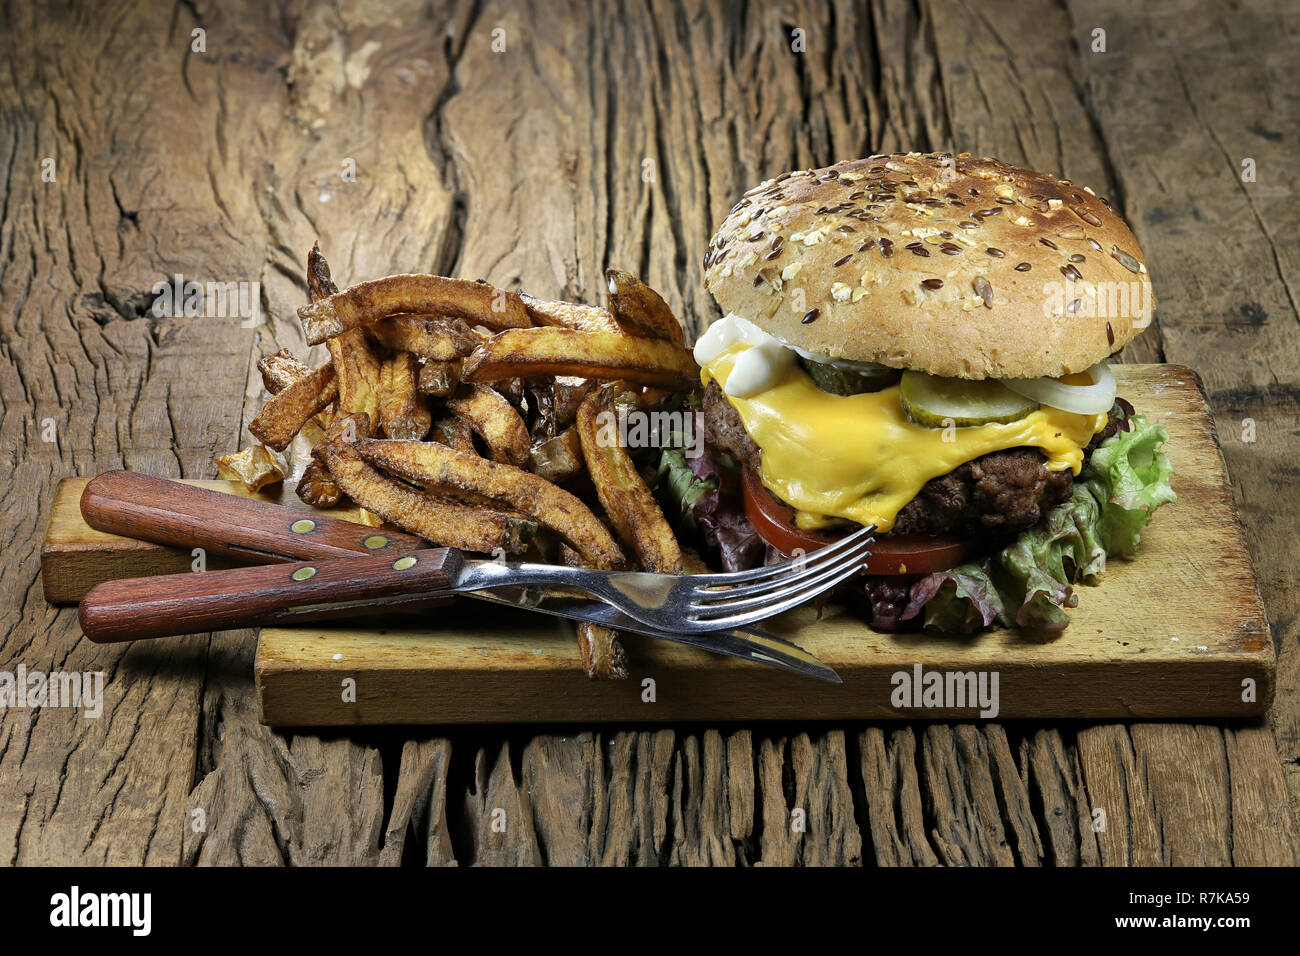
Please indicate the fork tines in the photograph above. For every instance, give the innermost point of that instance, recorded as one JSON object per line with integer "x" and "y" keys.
{"x": 742, "y": 597}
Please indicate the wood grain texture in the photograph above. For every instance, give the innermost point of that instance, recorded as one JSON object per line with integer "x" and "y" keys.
{"x": 1205, "y": 81}
{"x": 80, "y": 367}
{"x": 527, "y": 167}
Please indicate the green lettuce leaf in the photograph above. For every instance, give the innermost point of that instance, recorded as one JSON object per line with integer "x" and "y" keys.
{"x": 1133, "y": 475}
{"x": 1029, "y": 582}
{"x": 684, "y": 487}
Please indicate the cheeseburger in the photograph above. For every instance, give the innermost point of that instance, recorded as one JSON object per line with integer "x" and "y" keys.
{"x": 918, "y": 342}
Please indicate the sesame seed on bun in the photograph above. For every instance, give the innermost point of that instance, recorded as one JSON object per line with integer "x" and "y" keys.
{"x": 952, "y": 265}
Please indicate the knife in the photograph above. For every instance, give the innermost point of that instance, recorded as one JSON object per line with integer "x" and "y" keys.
{"x": 750, "y": 643}
{"x": 131, "y": 609}
{"x": 342, "y": 582}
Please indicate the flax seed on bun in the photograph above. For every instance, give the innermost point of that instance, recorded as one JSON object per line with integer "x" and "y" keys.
{"x": 953, "y": 265}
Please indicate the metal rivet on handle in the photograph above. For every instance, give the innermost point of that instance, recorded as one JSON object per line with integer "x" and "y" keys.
{"x": 302, "y": 574}
{"x": 302, "y": 526}
{"x": 401, "y": 564}
{"x": 376, "y": 541}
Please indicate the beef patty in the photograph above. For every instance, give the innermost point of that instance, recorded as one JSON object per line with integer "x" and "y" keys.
{"x": 997, "y": 494}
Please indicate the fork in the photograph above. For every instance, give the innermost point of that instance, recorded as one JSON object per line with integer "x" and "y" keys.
{"x": 689, "y": 604}
{"x": 696, "y": 603}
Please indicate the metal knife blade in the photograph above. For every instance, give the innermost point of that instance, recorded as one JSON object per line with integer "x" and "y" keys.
{"x": 751, "y": 644}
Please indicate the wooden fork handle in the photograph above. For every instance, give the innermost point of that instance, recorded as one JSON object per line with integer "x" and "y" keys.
{"x": 134, "y": 608}
{"x": 257, "y": 532}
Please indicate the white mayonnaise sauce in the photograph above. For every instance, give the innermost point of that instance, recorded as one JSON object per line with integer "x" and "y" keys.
{"x": 759, "y": 367}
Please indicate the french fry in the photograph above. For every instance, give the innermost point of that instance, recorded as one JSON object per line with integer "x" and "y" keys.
{"x": 692, "y": 563}
{"x": 554, "y": 403}
{"x": 438, "y": 521}
{"x": 457, "y": 433}
{"x": 438, "y": 378}
{"x": 311, "y": 433}
{"x": 639, "y": 309}
{"x": 513, "y": 390}
{"x": 640, "y": 523}
{"x": 284, "y": 415}
{"x": 284, "y": 366}
{"x": 427, "y": 336}
{"x": 358, "y": 374}
{"x": 603, "y": 654}
{"x": 317, "y": 488}
{"x": 557, "y": 459}
{"x": 441, "y": 469}
{"x": 528, "y": 353}
{"x": 254, "y": 466}
{"x": 494, "y": 420}
{"x": 569, "y": 392}
{"x": 570, "y": 315}
{"x": 403, "y": 412}
{"x": 368, "y": 302}
{"x": 519, "y": 378}
{"x": 541, "y": 408}
{"x": 355, "y": 364}
{"x": 281, "y": 370}
{"x": 320, "y": 285}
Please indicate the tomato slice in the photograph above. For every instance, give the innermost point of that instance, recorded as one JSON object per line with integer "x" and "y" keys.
{"x": 773, "y": 519}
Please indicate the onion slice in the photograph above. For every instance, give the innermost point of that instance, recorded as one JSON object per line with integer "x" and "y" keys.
{"x": 1080, "y": 399}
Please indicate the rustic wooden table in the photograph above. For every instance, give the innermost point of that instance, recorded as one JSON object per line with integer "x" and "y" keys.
{"x": 534, "y": 145}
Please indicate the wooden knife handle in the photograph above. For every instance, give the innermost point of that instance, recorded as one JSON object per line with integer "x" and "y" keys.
{"x": 258, "y": 532}
{"x": 134, "y": 608}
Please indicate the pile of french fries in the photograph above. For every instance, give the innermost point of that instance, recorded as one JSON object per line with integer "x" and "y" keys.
{"x": 471, "y": 416}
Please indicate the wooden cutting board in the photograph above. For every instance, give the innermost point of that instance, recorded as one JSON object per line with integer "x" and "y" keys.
{"x": 1179, "y": 632}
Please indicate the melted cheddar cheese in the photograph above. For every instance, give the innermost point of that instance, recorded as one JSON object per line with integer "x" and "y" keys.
{"x": 860, "y": 457}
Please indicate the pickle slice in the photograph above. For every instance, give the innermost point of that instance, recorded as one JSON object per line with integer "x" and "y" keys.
{"x": 933, "y": 401}
{"x": 843, "y": 380}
